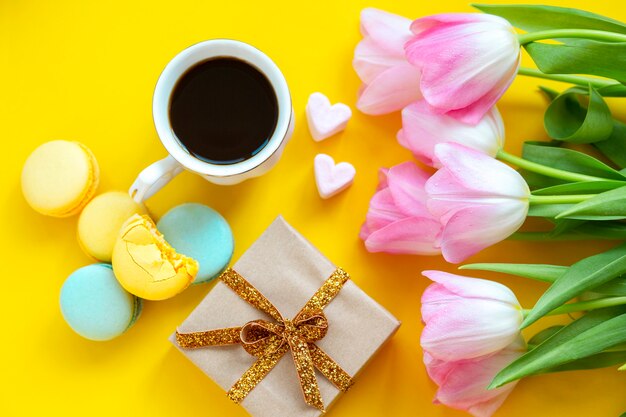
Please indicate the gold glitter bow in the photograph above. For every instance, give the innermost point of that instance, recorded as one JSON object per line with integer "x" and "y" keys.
{"x": 269, "y": 341}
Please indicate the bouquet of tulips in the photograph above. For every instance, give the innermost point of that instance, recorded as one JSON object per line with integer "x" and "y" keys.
{"x": 445, "y": 73}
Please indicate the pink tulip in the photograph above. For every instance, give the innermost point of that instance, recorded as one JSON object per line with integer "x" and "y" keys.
{"x": 466, "y": 318}
{"x": 423, "y": 128}
{"x": 389, "y": 81}
{"x": 479, "y": 200}
{"x": 398, "y": 220}
{"x": 463, "y": 384}
{"x": 467, "y": 61}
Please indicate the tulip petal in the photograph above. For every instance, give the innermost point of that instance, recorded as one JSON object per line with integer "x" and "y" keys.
{"x": 437, "y": 370}
{"x": 419, "y": 26}
{"x": 371, "y": 60}
{"x": 473, "y": 113}
{"x": 391, "y": 90}
{"x": 390, "y": 31}
{"x": 469, "y": 391}
{"x": 402, "y": 139}
{"x": 489, "y": 407}
{"x": 479, "y": 200}
{"x": 471, "y": 333}
{"x": 467, "y": 61}
{"x": 468, "y": 329}
{"x": 461, "y": 62}
{"x": 467, "y": 317}
{"x": 434, "y": 298}
{"x": 474, "y": 228}
{"x": 382, "y": 179}
{"x": 365, "y": 231}
{"x": 469, "y": 287}
{"x": 470, "y": 179}
{"x": 406, "y": 184}
{"x": 465, "y": 383}
{"x": 412, "y": 235}
{"x": 383, "y": 210}
{"x": 473, "y": 173}
{"x": 423, "y": 128}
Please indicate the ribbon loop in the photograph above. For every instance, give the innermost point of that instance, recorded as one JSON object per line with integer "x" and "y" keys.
{"x": 269, "y": 341}
{"x": 260, "y": 336}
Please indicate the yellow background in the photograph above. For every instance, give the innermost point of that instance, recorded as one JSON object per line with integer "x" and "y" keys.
{"x": 85, "y": 71}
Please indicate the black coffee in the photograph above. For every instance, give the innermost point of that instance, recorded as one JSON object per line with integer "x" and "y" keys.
{"x": 223, "y": 110}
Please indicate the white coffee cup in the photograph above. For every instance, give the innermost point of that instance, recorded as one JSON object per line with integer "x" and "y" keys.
{"x": 157, "y": 175}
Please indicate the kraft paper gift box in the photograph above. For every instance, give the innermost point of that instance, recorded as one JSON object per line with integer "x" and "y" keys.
{"x": 287, "y": 270}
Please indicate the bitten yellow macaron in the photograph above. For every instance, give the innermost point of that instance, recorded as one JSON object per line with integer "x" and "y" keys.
{"x": 100, "y": 222}
{"x": 59, "y": 178}
{"x": 146, "y": 265}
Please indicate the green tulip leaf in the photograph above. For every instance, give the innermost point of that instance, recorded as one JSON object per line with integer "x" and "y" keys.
{"x": 584, "y": 275}
{"x": 547, "y": 273}
{"x": 616, "y": 287}
{"x": 580, "y": 56}
{"x": 533, "y": 18}
{"x": 604, "y": 230}
{"x": 599, "y": 360}
{"x": 539, "y": 272}
{"x": 591, "y": 334}
{"x": 536, "y": 181}
{"x": 549, "y": 211}
{"x": 543, "y": 335}
{"x": 583, "y": 187}
{"x": 563, "y": 226}
{"x": 609, "y": 205}
{"x": 548, "y": 93}
{"x": 613, "y": 90}
{"x": 569, "y": 160}
{"x": 614, "y": 148}
{"x": 568, "y": 120}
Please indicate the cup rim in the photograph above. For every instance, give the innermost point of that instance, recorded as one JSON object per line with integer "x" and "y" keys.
{"x": 203, "y": 51}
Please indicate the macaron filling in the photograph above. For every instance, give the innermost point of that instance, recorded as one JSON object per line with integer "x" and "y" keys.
{"x": 152, "y": 249}
{"x": 146, "y": 265}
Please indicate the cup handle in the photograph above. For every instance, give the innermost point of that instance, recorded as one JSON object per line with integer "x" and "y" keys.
{"x": 153, "y": 178}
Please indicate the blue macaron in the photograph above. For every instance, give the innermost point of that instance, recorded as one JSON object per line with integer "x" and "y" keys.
{"x": 95, "y": 305}
{"x": 201, "y": 233}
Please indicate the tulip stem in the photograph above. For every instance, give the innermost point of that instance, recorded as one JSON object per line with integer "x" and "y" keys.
{"x": 616, "y": 348}
{"x": 598, "y": 35}
{"x": 571, "y": 79}
{"x": 559, "y": 199}
{"x": 545, "y": 170}
{"x": 584, "y": 306}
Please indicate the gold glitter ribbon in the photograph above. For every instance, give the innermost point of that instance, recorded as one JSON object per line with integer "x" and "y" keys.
{"x": 269, "y": 341}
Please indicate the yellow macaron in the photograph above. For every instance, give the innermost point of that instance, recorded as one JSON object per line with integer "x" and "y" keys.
{"x": 59, "y": 178}
{"x": 146, "y": 265}
{"x": 100, "y": 222}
